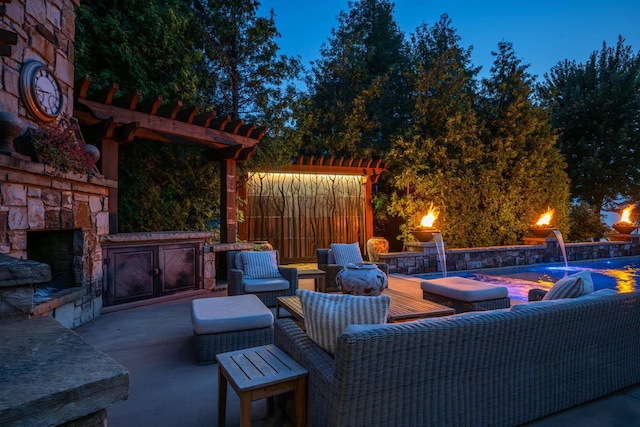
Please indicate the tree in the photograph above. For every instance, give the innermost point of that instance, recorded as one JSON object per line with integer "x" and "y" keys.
{"x": 358, "y": 92}
{"x": 169, "y": 48}
{"x": 436, "y": 162}
{"x": 150, "y": 49}
{"x": 248, "y": 79}
{"x": 596, "y": 108}
{"x": 586, "y": 223}
{"x": 523, "y": 167}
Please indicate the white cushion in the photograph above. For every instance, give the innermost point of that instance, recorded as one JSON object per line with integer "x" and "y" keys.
{"x": 260, "y": 264}
{"x": 327, "y": 315}
{"x": 347, "y": 253}
{"x": 463, "y": 289}
{"x": 572, "y": 286}
{"x": 265, "y": 285}
{"x": 226, "y": 314}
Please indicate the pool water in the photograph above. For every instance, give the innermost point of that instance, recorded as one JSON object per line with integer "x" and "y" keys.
{"x": 621, "y": 274}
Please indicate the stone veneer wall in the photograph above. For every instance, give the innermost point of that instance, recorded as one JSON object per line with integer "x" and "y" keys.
{"x": 423, "y": 257}
{"x": 34, "y": 199}
{"x": 45, "y": 31}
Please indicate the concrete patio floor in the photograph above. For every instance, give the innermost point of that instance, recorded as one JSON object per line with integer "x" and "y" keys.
{"x": 168, "y": 388}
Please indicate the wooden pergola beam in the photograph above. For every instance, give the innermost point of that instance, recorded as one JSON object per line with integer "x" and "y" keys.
{"x": 112, "y": 121}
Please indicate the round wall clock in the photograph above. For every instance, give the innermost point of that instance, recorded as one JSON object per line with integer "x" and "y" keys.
{"x": 40, "y": 91}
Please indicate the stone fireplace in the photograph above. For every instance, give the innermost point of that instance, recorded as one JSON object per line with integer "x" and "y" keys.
{"x": 56, "y": 220}
{"x": 56, "y": 249}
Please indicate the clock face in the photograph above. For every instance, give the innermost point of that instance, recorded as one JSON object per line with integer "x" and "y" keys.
{"x": 48, "y": 93}
{"x": 40, "y": 90}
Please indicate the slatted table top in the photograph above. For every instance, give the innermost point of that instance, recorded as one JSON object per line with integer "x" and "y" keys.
{"x": 256, "y": 367}
{"x": 402, "y": 307}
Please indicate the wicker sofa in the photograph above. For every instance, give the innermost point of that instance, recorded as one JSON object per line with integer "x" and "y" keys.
{"x": 500, "y": 368}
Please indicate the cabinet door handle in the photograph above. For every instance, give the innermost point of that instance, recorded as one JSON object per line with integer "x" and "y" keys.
{"x": 157, "y": 271}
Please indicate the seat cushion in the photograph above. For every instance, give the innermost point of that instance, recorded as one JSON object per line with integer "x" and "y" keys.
{"x": 346, "y": 253}
{"x": 265, "y": 285}
{"x": 463, "y": 289}
{"x": 260, "y": 264}
{"x": 326, "y": 315}
{"x": 572, "y": 286}
{"x": 226, "y": 314}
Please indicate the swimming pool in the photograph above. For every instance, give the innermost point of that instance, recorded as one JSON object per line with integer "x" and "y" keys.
{"x": 622, "y": 274}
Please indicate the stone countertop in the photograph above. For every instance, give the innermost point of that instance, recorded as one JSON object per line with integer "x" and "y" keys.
{"x": 158, "y": 236}
{"x": 49, "y": 375}
{"x": 16, "y": 272}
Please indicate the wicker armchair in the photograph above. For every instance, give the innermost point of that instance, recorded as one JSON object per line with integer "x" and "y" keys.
{"x": 237, "y": 281}
{"x": 331, "y": 270}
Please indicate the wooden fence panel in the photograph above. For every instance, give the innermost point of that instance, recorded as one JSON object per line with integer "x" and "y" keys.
{"x": 298, "y": 213}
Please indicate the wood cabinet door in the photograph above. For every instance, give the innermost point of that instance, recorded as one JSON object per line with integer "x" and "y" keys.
{"x": 141, "y": 272}
{"x": 130, "y": 274}
{"x": 179, "y": 266}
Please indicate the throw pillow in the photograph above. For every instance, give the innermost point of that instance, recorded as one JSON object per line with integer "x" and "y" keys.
{"x": 347, "y": 253}
{"x": 327, "y": 315}
{"x": 260, "y": 264}
{"x": 572, "y": 286}
{"x": 587, "y": 279}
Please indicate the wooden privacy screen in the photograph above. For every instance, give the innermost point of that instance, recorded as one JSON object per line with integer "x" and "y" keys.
{"x": 298, "y": 213}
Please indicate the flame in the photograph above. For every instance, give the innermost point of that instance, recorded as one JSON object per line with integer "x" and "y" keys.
{"x": 626, "y": 213}
{"x": 545, "y": 218}
{"x": 428, "y": 220}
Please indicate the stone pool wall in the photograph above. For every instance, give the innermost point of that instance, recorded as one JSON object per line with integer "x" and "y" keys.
{"x": 423, "y": 257}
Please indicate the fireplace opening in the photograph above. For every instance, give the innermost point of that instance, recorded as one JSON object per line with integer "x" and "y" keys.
{"x": 55, "y": 248}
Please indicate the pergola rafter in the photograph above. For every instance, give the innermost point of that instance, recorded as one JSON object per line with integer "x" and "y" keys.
{"x": 108, "y": 121}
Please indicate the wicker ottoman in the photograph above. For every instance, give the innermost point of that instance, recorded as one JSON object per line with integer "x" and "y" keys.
{"x": 465, "y": 294}
{"x": 231, "y": 323}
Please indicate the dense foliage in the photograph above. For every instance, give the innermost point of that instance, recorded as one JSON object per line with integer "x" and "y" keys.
{"x": 524, "y": 168}
{"x": 148, "y": 48}
{"x": 596, "y": 108}
{"x": 437, "y": 160}
{"x": 247, "y": 78}
{"x": 481, "y": 152}
{"x": 358, "y": 91}
{"x": 489, "y": 154}
{"x": 215, "y": 54}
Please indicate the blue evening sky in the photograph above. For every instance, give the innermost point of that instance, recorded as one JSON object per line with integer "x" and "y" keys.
{"x": 543, "y": 32}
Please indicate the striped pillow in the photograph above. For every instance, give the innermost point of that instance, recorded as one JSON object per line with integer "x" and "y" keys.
{"x": 260, "y": 264}
{"x": 572, "y": 286}
{"x": 346, "y": 253}
{"x": 326, "y": 315}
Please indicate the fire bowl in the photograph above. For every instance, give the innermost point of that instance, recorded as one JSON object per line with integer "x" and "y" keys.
{"x": 541, "y": 231}
{"x": 424, "y": 235}
{"x": 624, "y": 227}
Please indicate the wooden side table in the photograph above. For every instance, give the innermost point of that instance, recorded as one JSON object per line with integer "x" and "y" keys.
{"x": 258, "y": 373}
{"x": 317, "y": 276}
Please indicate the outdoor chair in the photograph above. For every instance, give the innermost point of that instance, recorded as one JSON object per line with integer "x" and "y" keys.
{"x": 327, "y": 262}
{"x": 259, "y": 273}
